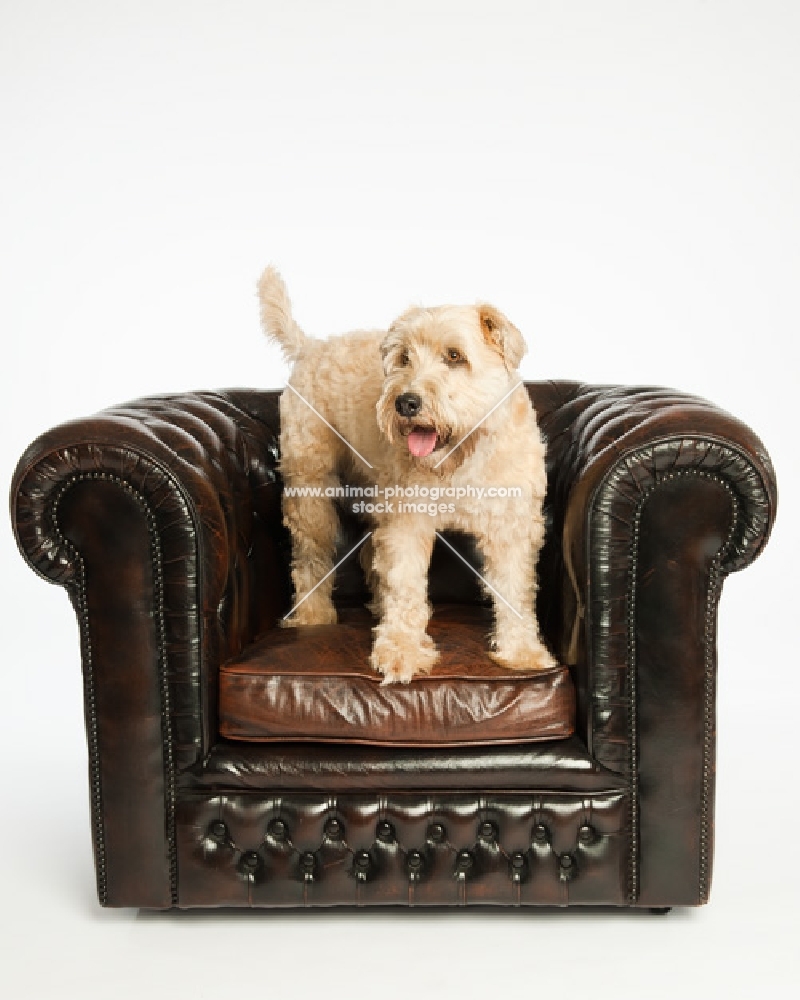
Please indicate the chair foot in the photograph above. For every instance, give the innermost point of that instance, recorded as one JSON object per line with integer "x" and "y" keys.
{"x": 660, "y": 910}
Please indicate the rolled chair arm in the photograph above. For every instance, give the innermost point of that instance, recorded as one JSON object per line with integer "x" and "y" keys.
{"x": 662, "y": 495}
{"x": 153, "y": 515}
{"x": 201, "y": 468}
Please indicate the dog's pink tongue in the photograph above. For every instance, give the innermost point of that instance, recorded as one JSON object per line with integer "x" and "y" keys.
{"x": 421, "y": 443}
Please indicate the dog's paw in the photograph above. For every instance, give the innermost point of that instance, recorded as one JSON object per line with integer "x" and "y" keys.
{"x": 400, "y": 659}
{"x": 318, "y": 613}
{"x": 522, "y": 655}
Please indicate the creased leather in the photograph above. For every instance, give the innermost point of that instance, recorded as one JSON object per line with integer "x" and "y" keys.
{"x": 316, "y": 684}
{"x": 625, "y": 468}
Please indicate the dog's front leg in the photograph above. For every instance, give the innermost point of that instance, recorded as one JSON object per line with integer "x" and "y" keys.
{"x": 510, "y": 569}
{"x": 402, "y": 553}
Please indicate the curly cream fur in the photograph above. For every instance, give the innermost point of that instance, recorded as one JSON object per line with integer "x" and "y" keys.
{"x": 353, "y": 381}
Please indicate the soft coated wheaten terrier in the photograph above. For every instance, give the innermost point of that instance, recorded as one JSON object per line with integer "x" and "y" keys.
{"x": 432, "y": 403}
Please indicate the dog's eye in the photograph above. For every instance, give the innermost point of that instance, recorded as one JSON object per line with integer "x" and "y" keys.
{"x": 454, "y": 357}
{"x": 404, "y": 358}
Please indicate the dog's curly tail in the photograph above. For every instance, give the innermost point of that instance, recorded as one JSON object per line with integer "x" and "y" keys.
{"x": 276, "y": 314}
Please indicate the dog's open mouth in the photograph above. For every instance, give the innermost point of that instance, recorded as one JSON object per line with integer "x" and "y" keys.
{"x": 423, "y": 441}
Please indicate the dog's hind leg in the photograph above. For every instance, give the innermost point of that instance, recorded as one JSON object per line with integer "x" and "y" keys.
{"x": 307, "y": 469}
{"x": 313, "y": 524}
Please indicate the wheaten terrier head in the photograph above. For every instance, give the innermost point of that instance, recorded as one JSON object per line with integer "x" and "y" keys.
{"x": 445, "y": 369}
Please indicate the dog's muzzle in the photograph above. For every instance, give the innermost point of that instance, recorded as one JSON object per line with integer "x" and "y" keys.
{"x": 408, "y": 404}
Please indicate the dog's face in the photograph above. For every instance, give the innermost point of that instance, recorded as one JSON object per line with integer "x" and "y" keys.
{"x": 445, "y": 368}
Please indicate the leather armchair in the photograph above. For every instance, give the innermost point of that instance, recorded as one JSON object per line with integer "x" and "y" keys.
{"x": 161, "y": 518}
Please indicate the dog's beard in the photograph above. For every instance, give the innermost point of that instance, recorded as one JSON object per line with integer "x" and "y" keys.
{"x": 426, "y": 438}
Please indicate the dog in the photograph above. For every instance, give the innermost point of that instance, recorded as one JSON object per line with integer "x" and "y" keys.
{"x": 432, "y": 404}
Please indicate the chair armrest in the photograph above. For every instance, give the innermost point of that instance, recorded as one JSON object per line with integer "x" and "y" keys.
{"x": 160, "y": 519}
{"x": 623, "y": 445}
{"x": 155, "y": 506}
{"x": 662, "y": 496}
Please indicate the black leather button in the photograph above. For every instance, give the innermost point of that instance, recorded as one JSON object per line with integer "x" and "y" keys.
{"x": 437, "y": 833}
{"x": 415, "y": 863}
{"x": 362, "y": 865}
{"x": 465, "y": 862}
{"x": 385, "y": 832}
{"x": 218, "y": 831}
{"x": 541, "y": 834}
{"x": 250, "y": 861}
{"x": 308, "y": 865}
{"x": 278, "y": 829}
{"x": 334, "y": 829}
{"x": 586, "y": 834}
{"x": 567, "y": 867}
{"x": 519, "y": 866}
{"x": 488, "y": 832}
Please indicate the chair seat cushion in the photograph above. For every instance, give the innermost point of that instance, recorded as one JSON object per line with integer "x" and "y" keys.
{"x": 315, "y": 683}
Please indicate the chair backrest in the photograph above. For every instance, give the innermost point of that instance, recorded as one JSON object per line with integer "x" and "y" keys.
{"x": 450, "y": 581}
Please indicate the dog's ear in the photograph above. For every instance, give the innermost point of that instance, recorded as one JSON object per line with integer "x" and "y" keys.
{"x": 501, "y": 335}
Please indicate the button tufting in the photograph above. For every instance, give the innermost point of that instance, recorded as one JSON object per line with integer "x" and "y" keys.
{"x": 466, "y": 843}
{"x": 465, "y": 862}
{"x": 436, "y": 833}
{"x": 334, "y": 829}
{"x": 362, "y": 865}
{"x": 488, "y": 832}
{"x": 278, "y": 829}
{"x": 251, "y": 861}
{"x": 519, "y": 866}
{"x": 308, "y": 865}
{"x": 567, "y": 867}
{"x": 415, "y": 863}
{"x": 385, "y": 832}
{"x": 541, "y": 834}
{"x": 218, "y": 831}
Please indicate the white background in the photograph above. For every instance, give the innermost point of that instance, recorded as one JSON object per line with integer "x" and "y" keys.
{"x": 620, "y": 177}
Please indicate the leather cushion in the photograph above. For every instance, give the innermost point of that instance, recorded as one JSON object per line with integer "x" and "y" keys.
{"x": 314, "y": 683}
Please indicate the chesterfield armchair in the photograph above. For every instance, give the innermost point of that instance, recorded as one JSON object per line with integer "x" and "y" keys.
{"x": 233, "y": 763}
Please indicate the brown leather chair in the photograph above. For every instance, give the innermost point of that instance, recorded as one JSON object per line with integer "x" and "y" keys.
{"x": 162, "y": 520}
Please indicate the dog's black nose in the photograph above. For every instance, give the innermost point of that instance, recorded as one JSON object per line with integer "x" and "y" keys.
{"x": 408, "y": 404}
